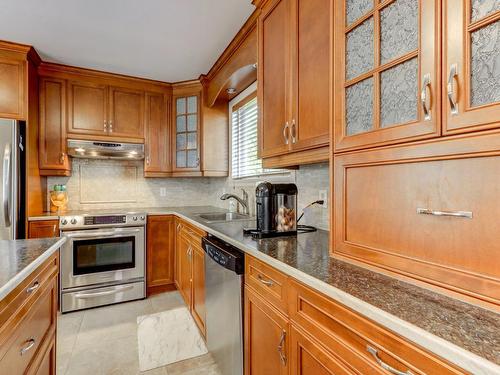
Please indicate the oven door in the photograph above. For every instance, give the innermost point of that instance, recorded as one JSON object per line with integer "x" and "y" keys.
{"x": 98, "y": 256}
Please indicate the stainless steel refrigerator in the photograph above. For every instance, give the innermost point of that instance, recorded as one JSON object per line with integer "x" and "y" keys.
{"x": 12, "y": 172}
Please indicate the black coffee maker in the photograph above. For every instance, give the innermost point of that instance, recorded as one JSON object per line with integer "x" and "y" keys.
{"x": 276, "y": 212}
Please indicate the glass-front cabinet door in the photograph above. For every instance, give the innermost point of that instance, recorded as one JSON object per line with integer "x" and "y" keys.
{"x": 471, "y": 65}
{"x": 386, "y": 72}
{"x": 187, "y": 133}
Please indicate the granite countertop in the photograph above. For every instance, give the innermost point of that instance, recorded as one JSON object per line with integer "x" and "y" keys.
{"x": 19, "y": 258}
{"x": 462, "y": 333}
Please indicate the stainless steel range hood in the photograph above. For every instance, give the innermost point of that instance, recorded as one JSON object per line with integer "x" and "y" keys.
{"x": 105, "y": 150}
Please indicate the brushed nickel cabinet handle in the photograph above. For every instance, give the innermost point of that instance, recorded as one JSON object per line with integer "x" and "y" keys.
{"x": 451, "y": 90}
{"x": 293, "y": 131}
{"x": 32, "y": 288}
{"x": 105, "y": 126}
{"x": 264, "y": 281}
{"x": 111, "y": 126}
{"x": 384, "y": 365}
{"x": 285, "y": 132}
{"x": 423, "y": 96}
{"x": 148, "y": 160}
{"x": 280, "y": 347}
{"x": 30, "y": 344}
{"x": 426, "y": 211}
{"x": 62, "y": 158}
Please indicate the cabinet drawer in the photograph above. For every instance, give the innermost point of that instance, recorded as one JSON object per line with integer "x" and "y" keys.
{"x": 190, "y": 231}
{"x": 20, "y": 300}
{"x": 351, "y": 336}
{"x": 32, "y": 331}
{"x": 426, "y": 211}
{"x": 270, "y": 283}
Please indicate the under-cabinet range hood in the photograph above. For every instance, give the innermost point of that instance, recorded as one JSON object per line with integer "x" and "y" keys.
{"x": 105, "y": 150}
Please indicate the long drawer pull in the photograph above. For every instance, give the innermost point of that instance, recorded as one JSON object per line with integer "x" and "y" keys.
{"x": 426, "y": 211}
{"x": 32, "y": 288}
{"x": 264, "y": 281}
{"x": 30, "y": 344}
{"x": 104, "y": 293}
{"x": 280, "y": 348}
{"x": 384, "y": 365}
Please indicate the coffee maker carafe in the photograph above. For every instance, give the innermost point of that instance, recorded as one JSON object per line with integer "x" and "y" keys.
{"x": 276, "y": 211}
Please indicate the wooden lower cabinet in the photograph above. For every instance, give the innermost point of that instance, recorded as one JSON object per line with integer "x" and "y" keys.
{"x": 198, "y": 285}
{"x": 190, "y": 270}
{"x": 309, "y": 358}
{"x": 28, "y": 319}
{"x": 43, "y": 229}
{"x": 160, "y": 249}
{"x": 320, "y": 336}
{"x": 266, "y": 337}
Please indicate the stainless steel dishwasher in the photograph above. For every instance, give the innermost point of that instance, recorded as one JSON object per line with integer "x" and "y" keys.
{"x": 224, "y": 267}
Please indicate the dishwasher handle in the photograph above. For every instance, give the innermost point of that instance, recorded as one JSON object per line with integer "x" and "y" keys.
{"x": 224, "y": 254}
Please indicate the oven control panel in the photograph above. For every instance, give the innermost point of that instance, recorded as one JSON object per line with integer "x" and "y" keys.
{"x": 102, "y": 221}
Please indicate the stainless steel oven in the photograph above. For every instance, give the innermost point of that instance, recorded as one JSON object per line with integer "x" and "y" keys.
{"x": 103, "y": 260}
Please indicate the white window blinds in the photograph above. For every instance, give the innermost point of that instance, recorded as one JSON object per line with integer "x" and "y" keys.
{"x": 245, "y": 162}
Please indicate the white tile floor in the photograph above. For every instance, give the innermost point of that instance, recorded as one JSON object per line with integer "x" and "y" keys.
{"x": 103, "y": 341}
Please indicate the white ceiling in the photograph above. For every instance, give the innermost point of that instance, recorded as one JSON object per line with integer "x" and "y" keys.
{"x": 166, "y": 40}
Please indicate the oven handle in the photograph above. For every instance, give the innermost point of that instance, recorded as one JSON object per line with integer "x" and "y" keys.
{"x": 97, "y": 234}
{"x": 104, "y": 293}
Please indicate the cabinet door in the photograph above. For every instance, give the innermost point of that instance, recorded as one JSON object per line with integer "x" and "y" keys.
{"x": 47, "y": 362}
{"x": 160, "y": 252}
{"x": 43, "y": 229}
{"x": 266, "y": 337}
{"x": 187, "y": 133}
{"x": 53, "y": 158}
{"x": 126, "y": 113}
{"x": 309, "y": 358}
{"x": 273, "y": 78}
{"x": 12, "y": 97}
{"x": 183, "y": 248}
{"x": 387, "y": 76}
{"x": 311, "y": 69}
{"x": 156, "y": 136}
{"x": 198, "y": 311}
{"x": 87, "y": 108}
{"x": 471, "y": 65}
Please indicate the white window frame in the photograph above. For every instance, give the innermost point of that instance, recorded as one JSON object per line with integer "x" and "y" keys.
{"x": 278, "y": 176}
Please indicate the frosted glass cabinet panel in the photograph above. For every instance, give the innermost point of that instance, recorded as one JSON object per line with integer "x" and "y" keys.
{"x": 186, "y": 133}
{"x": 388, "y": 69}
{"x": 472, "y": 66}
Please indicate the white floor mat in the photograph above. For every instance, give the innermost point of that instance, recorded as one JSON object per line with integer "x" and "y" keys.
{"x": 168, "y": 337}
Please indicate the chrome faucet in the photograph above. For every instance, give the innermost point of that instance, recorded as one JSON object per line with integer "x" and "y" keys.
{"x": 242, "y": 201}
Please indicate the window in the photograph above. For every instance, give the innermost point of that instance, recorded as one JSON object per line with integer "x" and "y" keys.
{"x": 244, "y": 160}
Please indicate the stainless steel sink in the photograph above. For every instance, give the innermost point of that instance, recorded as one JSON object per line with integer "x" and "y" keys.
{"x": 223, "y": 216}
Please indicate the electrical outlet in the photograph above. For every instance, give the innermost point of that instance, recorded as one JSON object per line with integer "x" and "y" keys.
{"x": 163, "y": 192}
{"x": 323, "y": 195}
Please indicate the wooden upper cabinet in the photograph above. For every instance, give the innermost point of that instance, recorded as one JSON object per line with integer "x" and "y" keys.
{"x": 87, "y": 108}
{"x": 12, "y": 88}
{"x": 126, "y": 113}
{"x": 157, "y": 159}
{"x": 52, "y": 137}
{"x": 273, "y": 78}
{"x": 186, "y": 132}
{"x": 160, "y": 253}
{"x": 471, "y": 66}
{"x": 311, "y": 73}
{"x": 386, "y": 72}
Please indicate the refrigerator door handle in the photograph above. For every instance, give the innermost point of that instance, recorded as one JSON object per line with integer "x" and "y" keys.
{"x": 7, "y": 175}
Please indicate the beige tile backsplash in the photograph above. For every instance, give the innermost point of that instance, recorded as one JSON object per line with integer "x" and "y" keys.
{"x": 106, "y": 184}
